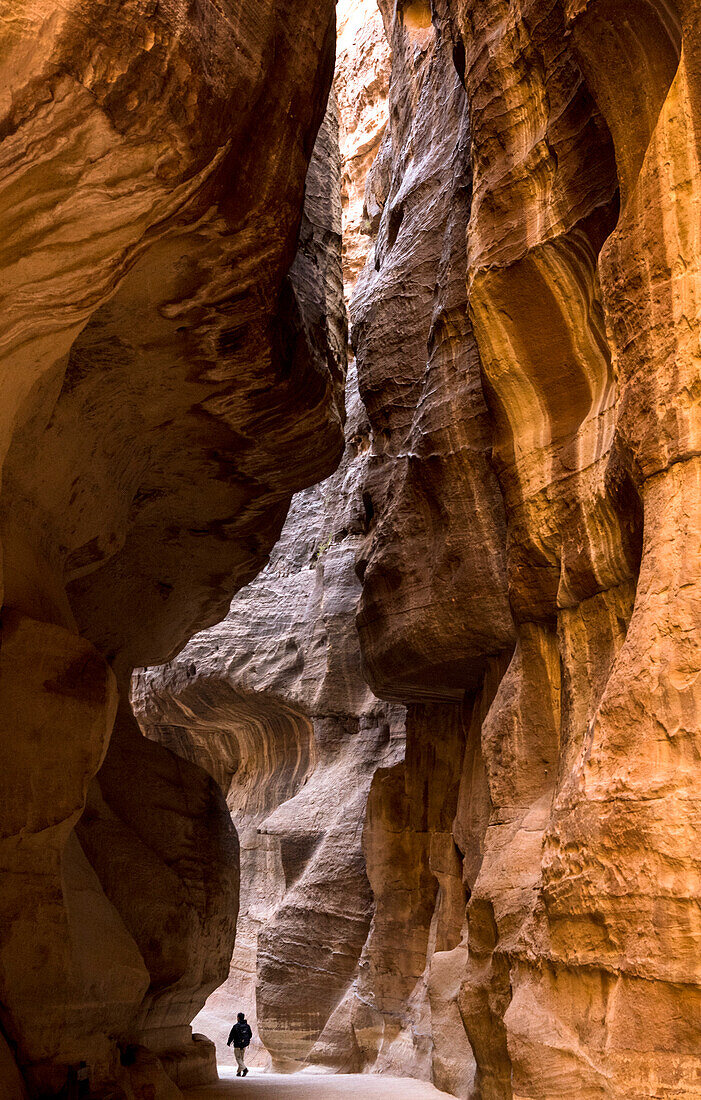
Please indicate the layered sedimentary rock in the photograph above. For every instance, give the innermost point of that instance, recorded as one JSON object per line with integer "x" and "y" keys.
{"x": 434, "y": 606}
{"x": 526, "y": 338}
{"x": 361, "y": 83}
{"x": 169, "y": 378}
{"x": 532, "y": 575}
{"x": 272, "y": 702}
{"x": 509, "y": 906}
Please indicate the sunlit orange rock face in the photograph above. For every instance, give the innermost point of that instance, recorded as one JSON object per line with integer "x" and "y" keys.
{"x": 361, "y": 84}
{"x": 527, "y": 337}
{"x": 521, "y": 495}
{"x": 469, "y": 832}
{"x": 171, "y": 374}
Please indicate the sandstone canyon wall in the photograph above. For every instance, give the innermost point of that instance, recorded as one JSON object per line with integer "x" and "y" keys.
{"x": 272, "y": 701}
{"x": 527, "y": 344}
{"x": 361, "y": 85}
{"x": 172, "y": 365}
{"x": 527, "y": 331}
{"x": 469, "y": 832}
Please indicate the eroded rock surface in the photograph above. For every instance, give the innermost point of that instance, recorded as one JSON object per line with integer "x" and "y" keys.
{"x": 170, "y": 375}
{"x": 526, "y": 333}
{"x": 361, "y": 83}
{"x": 507, "y": 903}
{"x": 272, "y": 702}
{"x": 532, "y": 382}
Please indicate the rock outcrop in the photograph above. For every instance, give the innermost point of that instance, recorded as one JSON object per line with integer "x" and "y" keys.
{"x": 468, "y": 832}
{"x": 527, "y": 342}
{"x": 171, "y": 375}
{"x": 273, "y": 703}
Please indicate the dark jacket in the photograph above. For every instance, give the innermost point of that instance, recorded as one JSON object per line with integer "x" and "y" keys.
{"x": 240, "y": 1035}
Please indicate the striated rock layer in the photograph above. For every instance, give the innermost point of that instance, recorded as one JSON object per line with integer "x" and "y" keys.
{"x": 361, "y": 84}
{"x": 272, "y": 701}
{"x": 505, "y": 900}
{"x": 527, "y": 343}
{"x": 170, "y": 375}
{"x": 527, "y": 335}
{"x": 434, "y": 610}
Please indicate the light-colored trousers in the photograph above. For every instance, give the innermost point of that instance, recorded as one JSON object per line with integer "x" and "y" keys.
{"x": 239, "y": 1052}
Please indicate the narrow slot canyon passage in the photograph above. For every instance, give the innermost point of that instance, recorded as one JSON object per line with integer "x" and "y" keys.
{"x": 350, "y": 532}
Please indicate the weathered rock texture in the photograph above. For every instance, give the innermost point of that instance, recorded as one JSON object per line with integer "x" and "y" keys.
{"x": 527, "y": 337}
{"x": 435, "y": 598}
{"x": 169, "y": 378}
{"x": 509, "y": 906}
{"x": 361, "y": 84}
{"x": 272, "y": 702}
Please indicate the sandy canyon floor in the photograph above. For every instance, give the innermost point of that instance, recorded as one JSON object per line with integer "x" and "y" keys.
{"x": 300, "y": 1086}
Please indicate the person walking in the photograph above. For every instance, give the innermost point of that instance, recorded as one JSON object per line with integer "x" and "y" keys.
{"x": 240, "y": 1035}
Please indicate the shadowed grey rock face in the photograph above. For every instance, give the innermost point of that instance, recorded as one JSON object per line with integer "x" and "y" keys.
{"x": 273, "y": 703}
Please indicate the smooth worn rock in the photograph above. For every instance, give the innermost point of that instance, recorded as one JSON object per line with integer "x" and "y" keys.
{"x": 172, "y": 352}
{"x": 273, "y": 703}
{"x": 434, "y": 601}
{"x": 468, "y": 832}
{"x": 571, "y": 651}
{"x": 525, "y": 332}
